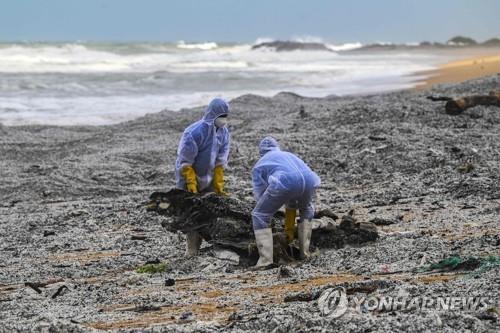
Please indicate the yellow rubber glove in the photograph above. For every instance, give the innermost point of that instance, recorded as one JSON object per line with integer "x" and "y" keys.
{"x": 218, "y": 181}
{"x": 190, "y": 179}
{"x": 290, "y": 215}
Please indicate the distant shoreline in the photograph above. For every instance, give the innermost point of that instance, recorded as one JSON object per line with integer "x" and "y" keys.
{"x": 460, "y": 70}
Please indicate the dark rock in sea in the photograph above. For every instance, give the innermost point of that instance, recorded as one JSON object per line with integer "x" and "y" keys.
{"x": 280, "y": 46}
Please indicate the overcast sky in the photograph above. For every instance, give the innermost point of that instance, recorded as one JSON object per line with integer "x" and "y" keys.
{"x": 247, "y": 20}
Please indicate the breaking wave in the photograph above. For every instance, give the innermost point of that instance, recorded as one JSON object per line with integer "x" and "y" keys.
{"x": 201, "y": 46}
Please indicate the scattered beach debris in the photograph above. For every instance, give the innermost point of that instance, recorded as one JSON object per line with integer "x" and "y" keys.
{"x": 377, "y": 138}
{"x": 439, "y": 98}
{"x": 47, "y": 233}
{"x": 302, "y": 112}
{"x": 485, "y": 315}
{"x": 364, "y": 287}
{"x": 152, "y": 268}
{"x": 465, "y": 167}
{"x": 169, "y": 282}
{"x": 326, "y": 213}
{"x": 60, "y": 291}
{"x": 139, "y": 308}
{"x": 456, "y": 263}
{"x": 139, "y": 237}
{"x": 96, "y": 257}
{"x": 186, "y": 316}
{"x": 284, "y": 272}
{"x": 227, "y": 255}
{"x": 382, "y": 221}
{"x": 226, "y": 223}
{"x": 37, "y": 285}
{"x": 301, "y": 296}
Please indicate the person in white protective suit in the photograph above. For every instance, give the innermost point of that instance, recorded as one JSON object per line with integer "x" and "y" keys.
{"x": 281, "y": 178}
{"x": 201, "y": 158}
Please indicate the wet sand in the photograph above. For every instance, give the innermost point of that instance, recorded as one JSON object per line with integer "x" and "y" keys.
{"x": 461, "y": 70}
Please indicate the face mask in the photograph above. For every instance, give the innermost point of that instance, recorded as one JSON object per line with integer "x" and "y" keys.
{"x": 220, "y": 122}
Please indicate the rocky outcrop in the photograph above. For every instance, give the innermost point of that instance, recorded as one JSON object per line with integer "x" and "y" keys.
{"x": 281, "y": 46}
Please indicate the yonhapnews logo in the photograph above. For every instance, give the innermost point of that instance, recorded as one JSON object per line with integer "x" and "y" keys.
{"x": 334, "y": 302}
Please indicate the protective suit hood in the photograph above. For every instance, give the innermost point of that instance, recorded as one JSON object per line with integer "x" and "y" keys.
{"x": 216, "y": 108}
{"x": 268, "y": 144}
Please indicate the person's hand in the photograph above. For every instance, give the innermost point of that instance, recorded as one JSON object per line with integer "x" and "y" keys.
{"x": 190, "y": 179}
{"x": 191, "y": 188}
{"x": 218, "y": 181}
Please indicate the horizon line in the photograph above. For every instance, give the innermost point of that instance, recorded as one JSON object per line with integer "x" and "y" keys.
{"x": 291, "y": 39}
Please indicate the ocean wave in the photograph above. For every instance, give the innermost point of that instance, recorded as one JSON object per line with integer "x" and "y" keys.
{"x": 102, "y": 110}
{"x": 261, "y": 40}
{"x": 58, "y": 58}
{"x": 344, "y": 47}
{"x": 146, "y": 58}
{"x": 212, "y": 65}
{"x": 298, "y": 39}
{"x": 307, "y": 39}
{"x": 74, "y": 58}
{"x": 201, "y": 46}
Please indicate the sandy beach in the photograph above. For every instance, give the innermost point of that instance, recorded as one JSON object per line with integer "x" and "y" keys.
{"x": 461, "y": 70}
{"x": 74, "y": 228}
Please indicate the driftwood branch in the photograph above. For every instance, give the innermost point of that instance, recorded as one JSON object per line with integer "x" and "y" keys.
{"x": 459, "y": 105}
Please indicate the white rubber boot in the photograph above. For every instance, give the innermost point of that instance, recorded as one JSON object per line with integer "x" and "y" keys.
{"x": 305, "y": 231}
{"x": 193, "y": 243}
{"x": 264, "y": 240}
